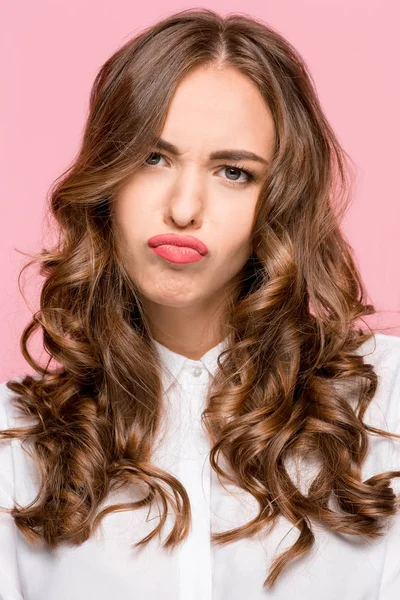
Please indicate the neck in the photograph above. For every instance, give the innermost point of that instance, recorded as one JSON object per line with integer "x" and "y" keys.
{"x": 186, "y": 331}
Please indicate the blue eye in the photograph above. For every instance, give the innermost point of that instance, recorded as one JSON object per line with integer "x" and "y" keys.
{"x": 153, "y": 154}
{"x": 249, "y": 174}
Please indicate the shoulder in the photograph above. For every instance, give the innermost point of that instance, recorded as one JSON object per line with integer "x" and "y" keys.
{"x": 18, "y": 474}
{"x": 6, "y": 447}
{"x": 8, "y": 408}
{"x": 383, "y": 352}
{"x": 6, "y": 404}
{"x": 383, "y": 349}
{"x": 10, "y": 415}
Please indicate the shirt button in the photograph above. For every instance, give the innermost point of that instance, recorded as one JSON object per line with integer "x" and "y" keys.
{"x": 197, "y": 372}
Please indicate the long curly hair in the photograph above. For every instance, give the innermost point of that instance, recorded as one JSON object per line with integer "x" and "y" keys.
{"x": 292, "y": 314}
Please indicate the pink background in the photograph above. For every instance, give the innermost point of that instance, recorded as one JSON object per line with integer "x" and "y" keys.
{"x": 51, "y": 51}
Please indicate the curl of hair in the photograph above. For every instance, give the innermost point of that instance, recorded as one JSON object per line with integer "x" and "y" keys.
{"x": 292, "y": 314}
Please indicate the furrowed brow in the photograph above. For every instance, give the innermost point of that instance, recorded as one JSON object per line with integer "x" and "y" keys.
{"x": 234, "y": 155}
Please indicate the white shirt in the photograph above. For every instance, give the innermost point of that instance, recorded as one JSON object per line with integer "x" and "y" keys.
{"x": 107, "y": 566}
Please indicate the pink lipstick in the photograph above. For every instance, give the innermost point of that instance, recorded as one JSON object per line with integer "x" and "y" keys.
{"x": 178, "y": 248}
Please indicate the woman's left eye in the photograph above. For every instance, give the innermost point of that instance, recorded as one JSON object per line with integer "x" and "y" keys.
{"x": 249, "y": 175}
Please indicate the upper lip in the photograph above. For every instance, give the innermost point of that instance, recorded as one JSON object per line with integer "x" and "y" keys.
{"x": 178, "y": 240}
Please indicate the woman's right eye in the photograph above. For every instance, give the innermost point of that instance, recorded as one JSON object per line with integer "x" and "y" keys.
{"x": 152, "y": 155}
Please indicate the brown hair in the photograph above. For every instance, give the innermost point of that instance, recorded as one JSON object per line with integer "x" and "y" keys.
{"x": 292, "y": 316}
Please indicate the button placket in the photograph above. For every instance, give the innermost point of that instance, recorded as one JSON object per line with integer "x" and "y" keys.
{"x": 196, "y": 480}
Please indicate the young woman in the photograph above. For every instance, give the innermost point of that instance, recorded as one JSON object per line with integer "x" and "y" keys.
{"x": 215, "y": 424}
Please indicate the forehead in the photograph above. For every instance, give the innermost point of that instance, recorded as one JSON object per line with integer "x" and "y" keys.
{"x": 218, "y": 107}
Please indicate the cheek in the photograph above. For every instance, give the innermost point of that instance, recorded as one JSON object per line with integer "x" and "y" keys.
{"x": 236, "y": 228}
{"x": 234, "y": 249}
{"x": 132, "y": 212}
{"x": 236, "y": 238}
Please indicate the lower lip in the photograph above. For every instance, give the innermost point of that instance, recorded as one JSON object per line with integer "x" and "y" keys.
{"x": 178, "y": 254}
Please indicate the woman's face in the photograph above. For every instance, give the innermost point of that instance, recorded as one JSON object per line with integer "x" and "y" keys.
{"x": 196, "y": 195}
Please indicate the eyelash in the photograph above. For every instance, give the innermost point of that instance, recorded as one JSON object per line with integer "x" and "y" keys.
{"x": 249, "y": 174}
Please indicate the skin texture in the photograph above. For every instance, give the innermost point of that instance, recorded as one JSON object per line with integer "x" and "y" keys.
{"x": 212, "y": 109}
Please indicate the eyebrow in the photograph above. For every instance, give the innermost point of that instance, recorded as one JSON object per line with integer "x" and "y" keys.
{"x": 235, "y": 155}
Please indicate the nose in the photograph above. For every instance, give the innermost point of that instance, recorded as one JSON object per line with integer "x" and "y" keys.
{"x": 188, "y": 195}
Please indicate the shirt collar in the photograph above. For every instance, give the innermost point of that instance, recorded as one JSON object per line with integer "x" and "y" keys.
{"x": 173, "y": 363}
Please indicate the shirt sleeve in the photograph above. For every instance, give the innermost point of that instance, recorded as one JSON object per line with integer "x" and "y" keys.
{"x": 10, "y": 585}
{"x": 390, "y": 584}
